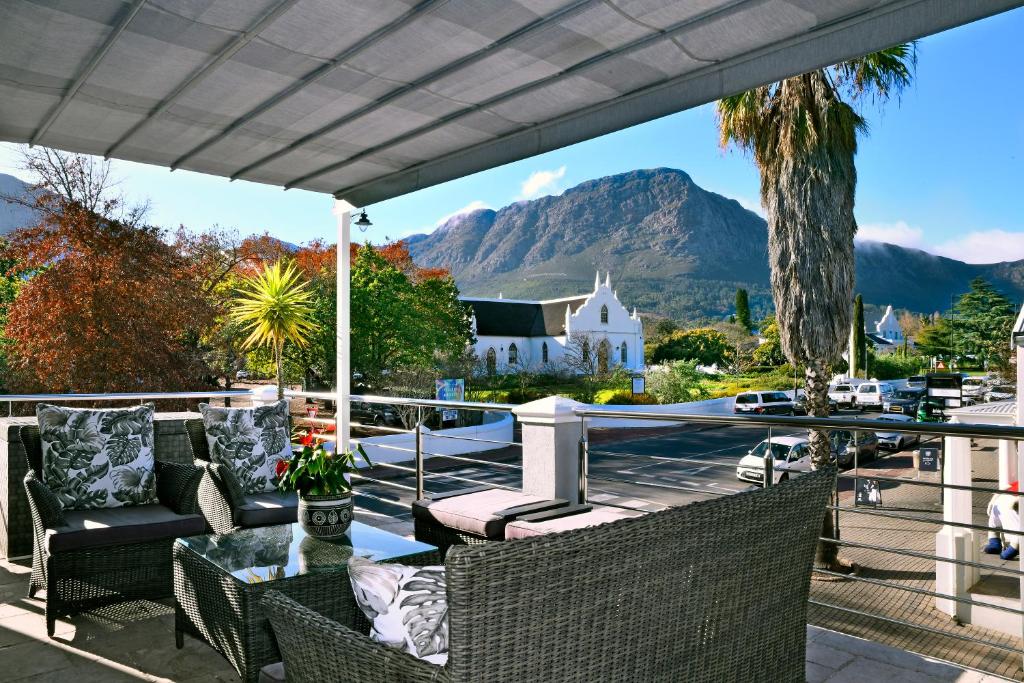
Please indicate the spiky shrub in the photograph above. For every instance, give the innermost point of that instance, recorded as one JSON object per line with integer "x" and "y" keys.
{"x": 802, "y": 133}
{"x": 274, "y": 309}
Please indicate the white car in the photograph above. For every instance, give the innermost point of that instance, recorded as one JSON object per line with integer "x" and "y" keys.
{"x": 790, "y": 453}
{"x": 896, "y": 441}
{"x": 763, "y": 403}
{"x": 873, "y": 395}
{"x": 843, "y": 394}
{"x": 974, "y": 388}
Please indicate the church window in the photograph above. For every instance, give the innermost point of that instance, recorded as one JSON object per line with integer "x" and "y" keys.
{"x": 586, "y": 351}
{"x": 623, "y": 355}
{"x": 544, "y": 352}
{"x": 513, "y": 354}
{"x": 604, "y": 315}
{"x": 492, "y": 361}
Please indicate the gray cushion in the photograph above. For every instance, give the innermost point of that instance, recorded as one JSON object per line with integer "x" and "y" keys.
{"x": 483, "y": 513}
{"x": 266, "y": 509}
{"x": 553, "y": 523}
{"x": 119, "y": 526}
{"x": 272, "y": 673}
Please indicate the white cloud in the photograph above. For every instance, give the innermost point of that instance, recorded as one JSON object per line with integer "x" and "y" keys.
{"x": 983, "y": 246}
{"x": 900, "y": 233}
{"x": 474, "y": 205}
{"x": 542, "y": 183}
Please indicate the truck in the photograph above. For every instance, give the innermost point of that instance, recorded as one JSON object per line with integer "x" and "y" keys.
{"x": 843, "y": 393}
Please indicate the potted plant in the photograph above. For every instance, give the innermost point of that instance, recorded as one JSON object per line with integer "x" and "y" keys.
{"x": 320, "y": 478}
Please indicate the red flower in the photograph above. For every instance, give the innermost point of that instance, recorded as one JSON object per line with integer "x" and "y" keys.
{"x": 281, "y": 467}
{"x": 307, "y": 440}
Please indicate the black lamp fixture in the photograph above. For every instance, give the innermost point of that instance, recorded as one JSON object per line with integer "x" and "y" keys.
{"x": 363, "y": 222}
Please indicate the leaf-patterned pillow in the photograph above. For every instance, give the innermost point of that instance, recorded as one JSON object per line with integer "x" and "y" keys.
{"x": 98, "y": 458}
{"x": 249, "y": 442}
{"x": 407, "y": 606}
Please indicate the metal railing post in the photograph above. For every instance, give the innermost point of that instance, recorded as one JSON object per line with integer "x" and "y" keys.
{"x": 584, "y": 462}
{"x": 856, "y": 472}
{"x": 419, "y": 453}
{"x": 769, "y": 462}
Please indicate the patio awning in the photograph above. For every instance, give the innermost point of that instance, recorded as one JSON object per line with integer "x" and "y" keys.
{"x": 369, "y": 100}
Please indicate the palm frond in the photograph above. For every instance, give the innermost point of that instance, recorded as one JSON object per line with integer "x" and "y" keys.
{"x": 274, "y": 307}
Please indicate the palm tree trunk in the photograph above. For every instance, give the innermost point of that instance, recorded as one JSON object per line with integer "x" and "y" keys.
{"x": 816, "y": 388}
{"x": 279, "y": 360}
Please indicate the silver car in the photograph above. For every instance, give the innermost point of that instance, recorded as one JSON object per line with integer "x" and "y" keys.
{"x": 896, "y": 441}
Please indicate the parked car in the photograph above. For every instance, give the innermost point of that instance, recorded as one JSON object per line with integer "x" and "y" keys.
{"x": 1001, "y": 392}
{"x": 872, "y": 395}
{"x": 843, "y": 448}
{"x": 242, "y": 374}
{"x": 843, "y": 394}
{"x": 790, "y": 454}
{"x": 376, "y": 414}
{"x": 800, "y": 404}
{"x": 763, "y": 403}
{"x": 932, "y": 409}
{"x": 974, "y": 388}
{"x": 903, "y": 401}
{"x": 896, "y": 441}
{"x": 917, "y": 381}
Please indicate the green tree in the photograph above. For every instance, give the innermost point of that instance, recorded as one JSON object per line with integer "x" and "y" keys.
{"x": 676, "y": 382}
{"x": 10, "y": 279}
{"x": 274, "y": 309}
{"x": 743, "y": 310}
{"x": 859, "y": 340}
{"x": 769, "y": 352}
{"x": 398, "y": 321}
{"x": 803, "y": 133}
{"x": 705, "y": 346}
{"x": 933, "y": 340}
{"x": 984, "y": 320}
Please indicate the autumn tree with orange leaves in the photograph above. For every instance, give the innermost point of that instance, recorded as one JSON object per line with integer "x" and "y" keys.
{"x": 108, "y": 304}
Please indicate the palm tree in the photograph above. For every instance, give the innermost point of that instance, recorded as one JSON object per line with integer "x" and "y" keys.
{"x": 802, "y": 133}
{"x": 274, "y": 308}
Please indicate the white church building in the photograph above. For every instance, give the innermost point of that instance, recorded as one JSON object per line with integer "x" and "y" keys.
{"x": 513, "y": 334}
{"x": 888, "y": 335}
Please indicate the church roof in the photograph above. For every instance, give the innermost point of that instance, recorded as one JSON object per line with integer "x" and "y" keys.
{"x": 511, "y": 318}
{"x": 880, "y": 340}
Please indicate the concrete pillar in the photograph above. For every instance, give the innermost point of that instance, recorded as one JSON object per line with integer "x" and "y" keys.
{"x": 1007, "y": 463}
{"x": 956, "y": 542}
{"x": 343, "y": 212}
{"x": 551, "y": 434}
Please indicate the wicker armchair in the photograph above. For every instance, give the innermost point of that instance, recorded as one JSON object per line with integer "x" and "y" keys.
{"x": 713, "y": 591}
{"x": 221, "y": 499}
{"x": 126, "y": 556}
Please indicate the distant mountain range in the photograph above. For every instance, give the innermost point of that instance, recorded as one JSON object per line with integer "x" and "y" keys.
{"x": 672, "y": 247}
{"x": 13, "y": 215}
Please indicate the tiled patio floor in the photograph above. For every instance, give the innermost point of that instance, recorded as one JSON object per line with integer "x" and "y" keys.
{"x": 135, "y": 642}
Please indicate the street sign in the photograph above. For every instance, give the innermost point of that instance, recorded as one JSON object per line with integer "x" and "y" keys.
{"x": 868, "y": 493}
{"x": 928, "y": 460}
{"x": 638, "y": 384}
{"x": 449, "y": 415}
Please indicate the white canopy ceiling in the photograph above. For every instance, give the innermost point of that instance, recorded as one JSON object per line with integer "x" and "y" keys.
{"x": 369, "y": 100}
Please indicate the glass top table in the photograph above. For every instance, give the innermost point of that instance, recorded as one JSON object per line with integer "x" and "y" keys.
{"x": 273, "y": 553}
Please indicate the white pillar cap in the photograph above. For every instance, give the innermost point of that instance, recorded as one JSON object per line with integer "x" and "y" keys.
{"x": 550, "y": 410}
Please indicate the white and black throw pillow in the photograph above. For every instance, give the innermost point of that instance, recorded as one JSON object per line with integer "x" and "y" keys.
{"x": 98, "y": 458}
{"x": 407, "y": 606}
{"x": 249, "y": 442}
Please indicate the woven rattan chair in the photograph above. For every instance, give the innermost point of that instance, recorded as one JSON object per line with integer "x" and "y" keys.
{"x": 713, "y": 591}
{"x": 221, "y": 499}
{"x": 80, "y": 566}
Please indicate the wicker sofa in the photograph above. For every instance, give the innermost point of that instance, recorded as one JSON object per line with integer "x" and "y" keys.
{"x": 88, "y": 558}
{"x": 221, "y": 499}
{"x": 713, "y": 591}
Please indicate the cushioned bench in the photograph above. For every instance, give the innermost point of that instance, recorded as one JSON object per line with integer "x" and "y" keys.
{"x": 475, "y": 515}
{"x": 565, "y": 519}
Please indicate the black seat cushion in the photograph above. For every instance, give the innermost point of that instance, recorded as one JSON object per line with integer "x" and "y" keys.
{"x": 121, "y": 526}
{"x": 481, "y": 512}
{"x": 266, "y": 509}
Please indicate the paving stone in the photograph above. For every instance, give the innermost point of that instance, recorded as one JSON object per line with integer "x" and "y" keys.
{"x": 828, "y": 655}
{"x": 871, "y": 671}
{"x": 33, "y": 659}
{"x": 816, "y": 673}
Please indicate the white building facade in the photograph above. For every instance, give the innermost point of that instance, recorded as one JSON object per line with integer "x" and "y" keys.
{"x": 888, "y": 335}
{"x": 513, "y": 334}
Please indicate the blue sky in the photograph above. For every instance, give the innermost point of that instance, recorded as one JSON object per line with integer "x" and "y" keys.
{"x": 941, "y": 170}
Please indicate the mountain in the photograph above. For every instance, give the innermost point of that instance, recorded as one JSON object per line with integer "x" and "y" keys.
{"x": 13, "y": 215}
{"x": 672, "y": 247}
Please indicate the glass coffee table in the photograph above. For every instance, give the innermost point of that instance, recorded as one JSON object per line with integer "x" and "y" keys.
{"x": 219, "y": 580}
